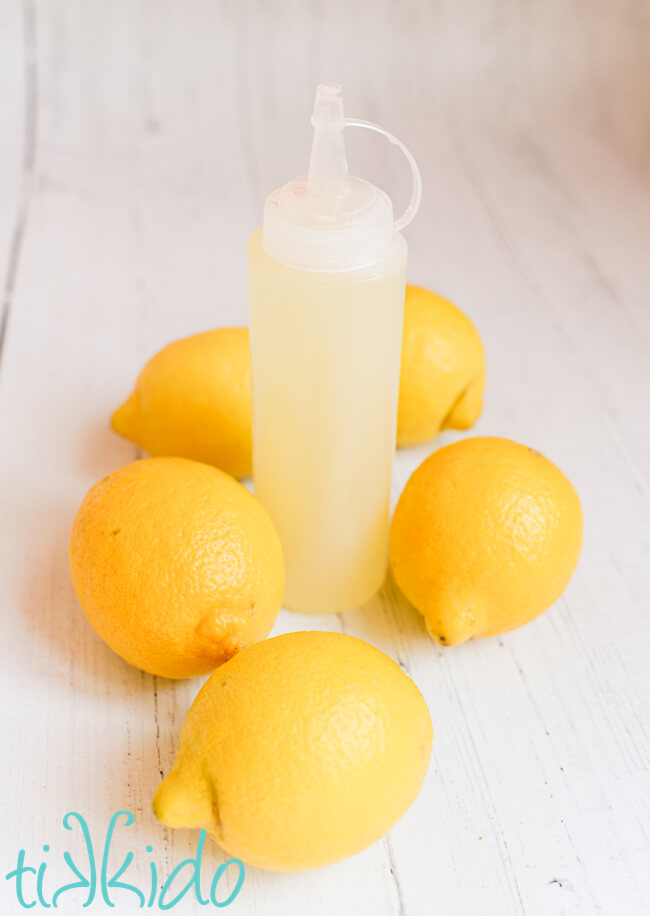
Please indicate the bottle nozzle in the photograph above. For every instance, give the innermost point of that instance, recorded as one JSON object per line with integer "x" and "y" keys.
{"x": 328, "y": 106}
{"x": 328, "y": 165}
{"x": 332, "y": 220}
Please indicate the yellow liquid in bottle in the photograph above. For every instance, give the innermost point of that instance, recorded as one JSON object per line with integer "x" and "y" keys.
{"x": 325, "y": 349}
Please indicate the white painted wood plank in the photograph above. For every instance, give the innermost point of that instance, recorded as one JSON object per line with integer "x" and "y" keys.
{"x": 17, "y": 141}
{"x": 159, "y": 132}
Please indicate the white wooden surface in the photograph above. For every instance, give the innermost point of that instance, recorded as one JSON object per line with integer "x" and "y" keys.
{"x": 137, "y": 143}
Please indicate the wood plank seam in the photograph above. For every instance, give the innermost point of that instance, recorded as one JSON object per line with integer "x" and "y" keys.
{"x": 28, "y": 166}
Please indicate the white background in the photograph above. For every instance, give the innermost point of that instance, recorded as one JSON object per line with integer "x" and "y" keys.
{"x": 138, "y": 140}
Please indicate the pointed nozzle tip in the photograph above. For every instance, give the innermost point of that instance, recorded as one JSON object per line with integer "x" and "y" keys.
{"x": 328, "y": 89}
{"x": 328, "y": 106}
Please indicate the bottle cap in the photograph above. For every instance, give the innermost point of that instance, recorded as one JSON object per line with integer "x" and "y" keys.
{"x": 331, "y": 220}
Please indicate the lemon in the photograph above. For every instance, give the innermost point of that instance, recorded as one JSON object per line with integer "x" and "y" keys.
{"x": 193, "y": 400}
{"x": 443, "y": 369}
{"x": 300, "y": 751}
{"x": 485, "y": 537}
{"x": 176, "y": 565}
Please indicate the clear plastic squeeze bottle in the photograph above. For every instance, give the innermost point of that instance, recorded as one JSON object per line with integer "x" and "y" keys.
{"x": 326, "y": 276}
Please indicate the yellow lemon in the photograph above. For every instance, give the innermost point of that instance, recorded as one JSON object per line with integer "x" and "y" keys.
{"x": 193, "y": 400}
{"x": 300, "y": 751}
{"x": 443, "y": 369}
{"x": 485, "y": 537}
{"x": 176, "y": 565}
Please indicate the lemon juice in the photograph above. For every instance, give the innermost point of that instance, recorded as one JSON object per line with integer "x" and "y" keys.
{"x": 325, "y": 361}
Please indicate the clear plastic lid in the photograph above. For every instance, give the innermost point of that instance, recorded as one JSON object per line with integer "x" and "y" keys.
{"x": 330, "y": 220}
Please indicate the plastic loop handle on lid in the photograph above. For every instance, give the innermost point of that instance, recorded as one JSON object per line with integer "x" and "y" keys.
{"x": 416, "y": 195}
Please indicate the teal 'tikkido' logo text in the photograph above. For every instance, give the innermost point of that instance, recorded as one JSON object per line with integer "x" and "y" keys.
{"x": 92, "y": 877}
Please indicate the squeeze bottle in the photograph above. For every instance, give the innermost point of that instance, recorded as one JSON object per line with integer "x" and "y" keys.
{"x": 326, "y": 278}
